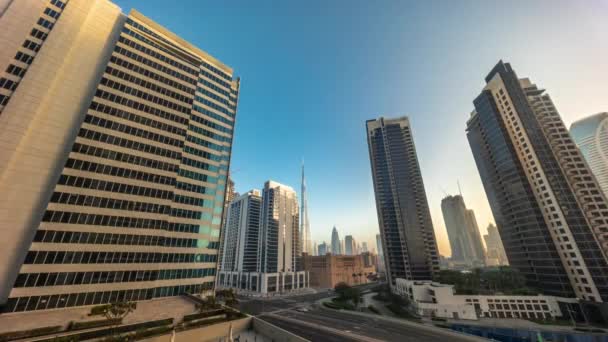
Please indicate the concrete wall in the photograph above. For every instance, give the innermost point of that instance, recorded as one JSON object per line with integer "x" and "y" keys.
{"x": 275, "y": 333}
{"x": 209, "y": 333}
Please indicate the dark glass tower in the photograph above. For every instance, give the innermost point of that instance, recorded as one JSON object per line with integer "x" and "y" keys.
{"x": 408, "y": 238}
{"x": 549, "y": 209}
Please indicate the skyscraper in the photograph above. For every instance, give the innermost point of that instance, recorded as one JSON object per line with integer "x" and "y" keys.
{"x": 349, "y": 245}
{"x": 323, "y": 248}
{"x": 279, "y": 229}
{"x": 335, "y": 242}
{"x": 591, "y": 136}
{"x": 115, "y": 145}
{"x": 463, "y": 232}
{"x": 550, "y": 211}
{"x": 495, "y": 255}
{"x": 364, "y": 247}
{"x": 241, "y": 233}
{"x": 304, "y": 223}
{"x": 231, "y": 194}
{"x": 379, "y": 244}
{"x": 403, "y": 213}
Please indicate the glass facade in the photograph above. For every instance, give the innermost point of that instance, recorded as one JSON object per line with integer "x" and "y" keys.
{"x": 137, "y": 209}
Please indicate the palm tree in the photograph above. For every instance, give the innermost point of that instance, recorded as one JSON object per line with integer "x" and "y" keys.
{"x": 117, "y": 311}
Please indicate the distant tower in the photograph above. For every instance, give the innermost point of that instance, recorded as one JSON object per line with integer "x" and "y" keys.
{"x": 364, "y": 247}
{"x": 463, "y": 231}
{"x": 349, "y": 245}
{"x": 591, "y": 136}
{"x": 335, "y": 242}
{"x": 496, "y": 252}
{"x": 304, "y": 223}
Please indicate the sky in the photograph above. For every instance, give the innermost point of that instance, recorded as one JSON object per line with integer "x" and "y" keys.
{"x": 313, "y": 71}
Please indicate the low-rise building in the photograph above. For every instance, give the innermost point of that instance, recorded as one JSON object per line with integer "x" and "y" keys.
{"x": 328, "y": 270}
{"x": 439, "y": 300}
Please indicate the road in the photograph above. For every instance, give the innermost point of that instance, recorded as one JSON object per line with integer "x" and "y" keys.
{"x": 313, "y": 325}
{"x": 320, "y": 324}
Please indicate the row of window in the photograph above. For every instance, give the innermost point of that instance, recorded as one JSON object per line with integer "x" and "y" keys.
{"x": 145, "y": 96}
{"x": 211, "y": 124}
{"x": 147, "y": 73}
{"x": 138, "y": 132}
{"x": 137, "y": 106}
{"x": 108, "y": 203}
{"x": 209, "y": 134}
{"x": 145, "y": 61}
{"x": 45, "y": 23}
{"x": 130, "y": 144}
{"x": 52, "y": 236}
{"x": 54, "y": 257}
{"x": 214, "y": 96}
{"x": 60, "y": 4}
{"x": 15, "y": 70}
{"x": 199, "y": 202}
{"x": 216, "y": 79}
{"x": 24, "y": 57}
{"x": 199, "y": 165}
{"x": 202, "y": 154}
{"x": 19, "y": 304}
{"x": 148, "y": 85}
{"x": 197, "y": 176}
{"x": 211, "y": 114}
{"x": 190, "y": 214}
{"x": 141, "y": 48}
{"x": 124, "y": 157}
{"x": 217, "y": 71}
{"x": 118, "y": 171}
{"x": 199, "y": 189}
{"x": 95, "y": 184}
{"x": 86, "y": 278}
{"x": 206, "y": 143}
{"x": 8, "y": 84}
{"x": 212, "y": 104}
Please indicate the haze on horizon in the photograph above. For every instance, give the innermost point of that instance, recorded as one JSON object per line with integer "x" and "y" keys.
{"x": 313, "y": 72}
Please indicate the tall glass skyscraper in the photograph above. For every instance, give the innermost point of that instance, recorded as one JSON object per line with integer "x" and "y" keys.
{"x": 591, "y": 136}
{"x": 408, "y": 238}
{"x": 115, "y": 145}
{"x": 463, "y": 232}
{"x": 336, "y": 245}
{"x": 550, "y": 211}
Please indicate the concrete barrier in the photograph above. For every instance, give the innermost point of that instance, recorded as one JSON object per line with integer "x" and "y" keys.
{"x": 275, "y": 333}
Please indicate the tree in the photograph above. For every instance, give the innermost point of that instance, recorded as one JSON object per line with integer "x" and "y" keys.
{"x": 117, "y": 311}
{"x": 341, "y": 289}
{"x": 354, "y": 295}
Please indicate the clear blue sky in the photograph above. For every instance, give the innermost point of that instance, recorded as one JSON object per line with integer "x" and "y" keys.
{"x": 313, "y": 71}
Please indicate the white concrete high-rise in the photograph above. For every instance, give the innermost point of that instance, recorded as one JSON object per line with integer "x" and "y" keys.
{"x": 241, "y": 233}
{"x": 279, "y": 229}
{"x": 591, "y": 136}
{"x": 495, "y": 255}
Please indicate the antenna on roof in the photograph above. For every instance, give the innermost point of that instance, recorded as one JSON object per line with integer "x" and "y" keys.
{"x": 459, "y": 191}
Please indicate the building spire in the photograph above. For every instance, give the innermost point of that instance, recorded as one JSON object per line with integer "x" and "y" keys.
{"x": 304, "y": 223}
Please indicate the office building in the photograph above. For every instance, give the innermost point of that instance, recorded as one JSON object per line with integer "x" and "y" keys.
{"x": 463, "y": 232}
{"x": 315, "y": 248}
{"x": 336, "y": 245}
{"x": 349, "y": 245}
{"x": 549, "y": 209}
{"x": 304, "y": 222}
{"x": 323, "y": 249}
{"x": 364, "y": 247}
{"x": 270, "y": 260}
{"x": 406, "y": 229}
{"x": 114, "y": 151}
{"x": 591, "y": 136}
{"x": 328, "y": 270}
{"x": 495, "y": 254}
{"x": 241, "y": 234}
